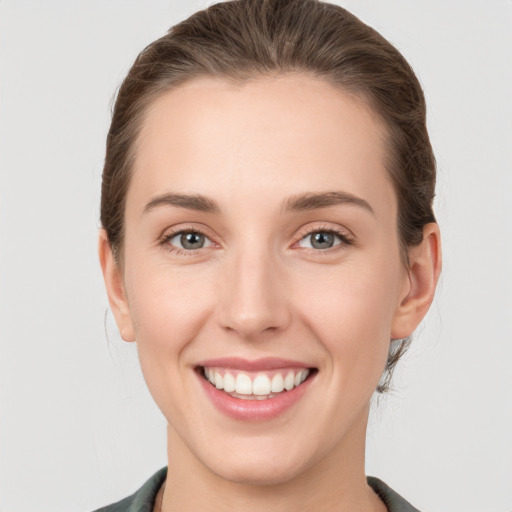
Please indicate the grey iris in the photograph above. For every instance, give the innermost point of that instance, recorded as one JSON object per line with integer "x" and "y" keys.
{"x": 192, "y": 240}
{"x": 322, "y": 240}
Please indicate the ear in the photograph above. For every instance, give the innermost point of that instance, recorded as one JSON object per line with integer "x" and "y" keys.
{"x": 114, "y": 284}
{"x": 421, "y": 281}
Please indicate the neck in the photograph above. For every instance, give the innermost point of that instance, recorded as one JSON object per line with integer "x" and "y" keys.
{"x": 335, "y": 482}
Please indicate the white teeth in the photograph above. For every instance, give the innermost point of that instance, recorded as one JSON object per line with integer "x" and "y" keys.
{"x": 261, "y": 385}
{"x": 219, "y": 381}
{"x": 277, "y": 383}
{"x": 243, "y": 384}
{"x": 289, "y": 381}
{"x": 229, "y": 383}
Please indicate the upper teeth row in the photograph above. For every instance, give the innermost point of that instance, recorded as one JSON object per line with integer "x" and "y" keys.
{"x": 261, "y": 384}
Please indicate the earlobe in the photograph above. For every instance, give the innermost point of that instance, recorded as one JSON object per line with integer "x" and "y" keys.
{"x": 422, "y": 276}
{"x": 115, "y": 288}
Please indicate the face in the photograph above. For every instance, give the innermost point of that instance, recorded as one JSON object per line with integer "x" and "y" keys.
{"x": 261, "y": 253}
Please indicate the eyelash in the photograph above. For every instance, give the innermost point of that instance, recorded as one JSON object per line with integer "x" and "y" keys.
{"x": 344, "y": 237}
{"x": 165, "y": 241}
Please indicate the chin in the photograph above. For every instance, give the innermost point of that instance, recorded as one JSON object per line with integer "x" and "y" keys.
{"x": 257, "y": 473}
{"x": 261, "y": 466}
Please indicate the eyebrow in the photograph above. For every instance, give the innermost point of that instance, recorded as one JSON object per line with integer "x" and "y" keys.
{"x": 300, "y": 202}
{"x": 191, "y": 202}
{"x": 315, "y": 201}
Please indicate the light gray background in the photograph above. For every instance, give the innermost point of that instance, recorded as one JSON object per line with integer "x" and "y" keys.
{"x": 78, "y": 428}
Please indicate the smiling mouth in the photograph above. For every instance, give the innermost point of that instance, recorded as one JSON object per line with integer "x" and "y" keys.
{"x": 262, "y": 385}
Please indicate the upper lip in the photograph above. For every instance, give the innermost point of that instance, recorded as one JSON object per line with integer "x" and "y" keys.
{"x": 262, "y": 364}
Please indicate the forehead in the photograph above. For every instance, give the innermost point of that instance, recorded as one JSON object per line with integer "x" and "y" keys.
{"x": 292, "y": 132}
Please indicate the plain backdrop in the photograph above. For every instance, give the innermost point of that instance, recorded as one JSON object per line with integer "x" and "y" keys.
{"x": 78, "y": 428}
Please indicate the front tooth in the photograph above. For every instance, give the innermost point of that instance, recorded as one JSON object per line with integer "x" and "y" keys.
{"x": 289, "y": 381}
{"x": 229, "y": 383}
{"x": 243, "y": 384}
{"x": 219, "y": 381}
{"x": 277, "y": 383}
{"x": 261, "y": 385}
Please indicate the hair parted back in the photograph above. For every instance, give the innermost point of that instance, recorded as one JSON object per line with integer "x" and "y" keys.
{"x": 243, "y": 39}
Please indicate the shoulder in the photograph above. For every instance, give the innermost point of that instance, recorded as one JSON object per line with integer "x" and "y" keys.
{"x": 141, "y": 501}
{"x": 393, "y": 501}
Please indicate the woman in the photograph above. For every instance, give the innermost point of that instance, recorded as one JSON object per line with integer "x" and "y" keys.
{"x": 268, "y": 240}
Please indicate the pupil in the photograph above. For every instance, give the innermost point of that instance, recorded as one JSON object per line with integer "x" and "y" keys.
{"x": 322, "y": 240}
{"x": 192, "y": 240}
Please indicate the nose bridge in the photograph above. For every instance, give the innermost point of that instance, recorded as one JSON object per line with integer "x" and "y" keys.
{"x": 254, "y": 296}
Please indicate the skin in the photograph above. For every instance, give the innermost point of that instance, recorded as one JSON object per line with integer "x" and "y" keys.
{"x": 259, "y": 288}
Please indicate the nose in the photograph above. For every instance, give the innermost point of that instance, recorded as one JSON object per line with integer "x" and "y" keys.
{"x": 253, "y": 299}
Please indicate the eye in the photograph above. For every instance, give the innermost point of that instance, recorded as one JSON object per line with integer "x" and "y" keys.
{"x": 322, "y": 240}
{"x": 188, "y": 240}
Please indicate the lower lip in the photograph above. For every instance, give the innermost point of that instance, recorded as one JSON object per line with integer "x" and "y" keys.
{"x": 254, "y": 410}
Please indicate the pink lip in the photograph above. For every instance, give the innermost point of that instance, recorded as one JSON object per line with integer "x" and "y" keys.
{"x": 263, "y": 364}
{"x": 253, "y": 410}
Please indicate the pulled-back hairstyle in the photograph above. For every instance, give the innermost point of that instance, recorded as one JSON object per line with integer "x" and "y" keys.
{"x": 244, "y": 39}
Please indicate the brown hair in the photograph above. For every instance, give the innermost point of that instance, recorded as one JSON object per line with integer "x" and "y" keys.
{"x": 243, "y": 39}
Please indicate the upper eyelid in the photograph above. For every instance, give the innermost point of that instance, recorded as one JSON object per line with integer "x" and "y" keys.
{"x": 337, "y": 230}
{"x": 171, "y": 232}
{"x": 170, "y": 236}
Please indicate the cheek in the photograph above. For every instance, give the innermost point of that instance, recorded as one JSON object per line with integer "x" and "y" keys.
{"x": 352, "y": 315}
{"x": 166, "y": 307}
{"x": 168, "y": 310}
